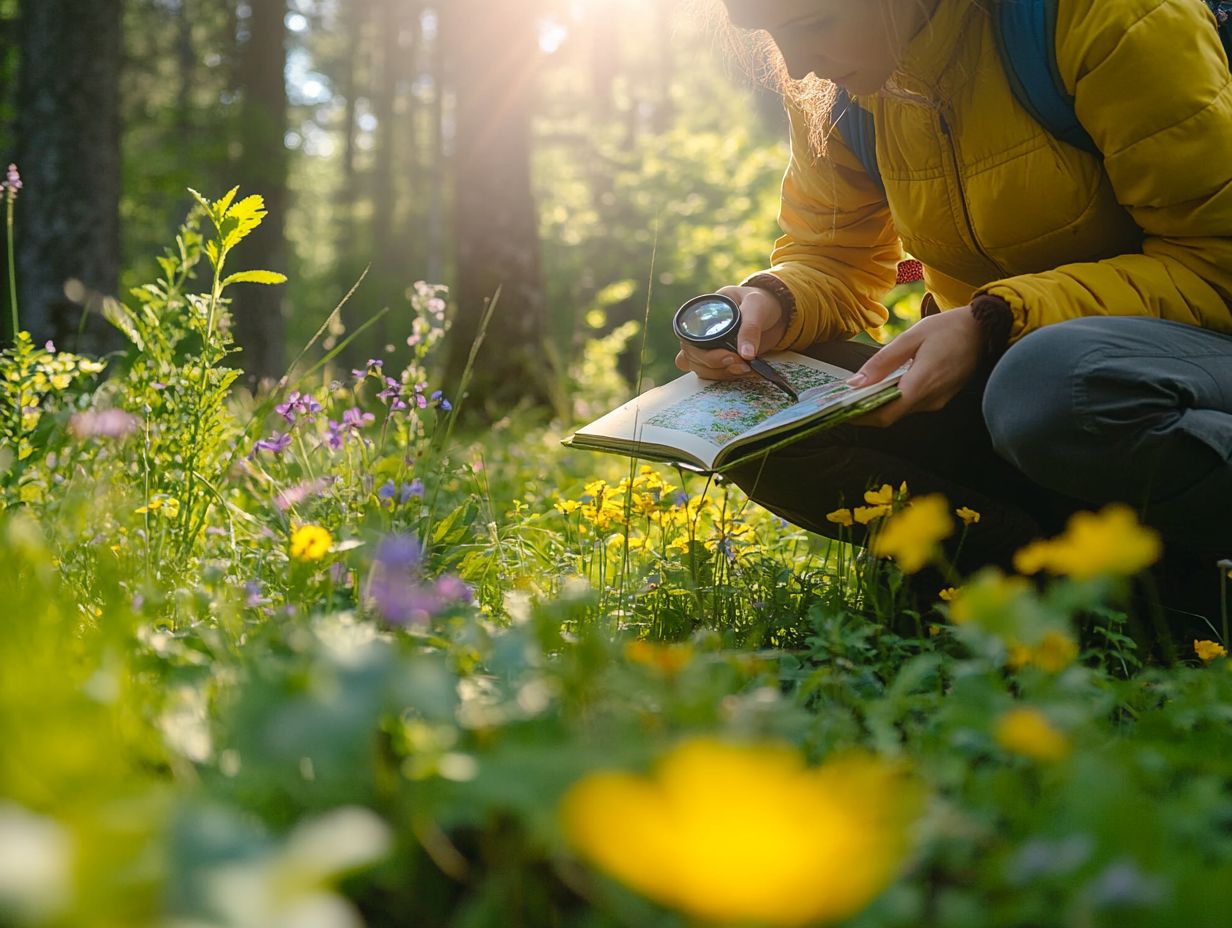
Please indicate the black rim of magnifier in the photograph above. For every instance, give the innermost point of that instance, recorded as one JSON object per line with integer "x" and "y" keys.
{"x": 727, "y": 339}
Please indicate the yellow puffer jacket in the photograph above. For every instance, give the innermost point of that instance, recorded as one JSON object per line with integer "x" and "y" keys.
{"x": 990, "y": 202}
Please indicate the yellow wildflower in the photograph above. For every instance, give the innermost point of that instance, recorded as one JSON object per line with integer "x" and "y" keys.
{"x": 968, "y": 516}
{"x": 1111, "y": 541}
{"x": 667, "y": 659}
{"x": 166, "y": 506}
{"x": 947, "y": 595}
{"x": 882, "y": 497}
{"x": 1055, "y": 651}
{"x": 1018, "y": 655}
{"x": 911, "y": 536}
{"x": 1209, "y": 650}
{"x": 1026, "y": 731}
{"x": 866, "y": 514}
{"x": 699, "y": 835}
{"x": 567, "y": 506}
{"x": 310, "y": 543}
{"x": 988, "y": 594}
{"x": 839, "y": 517}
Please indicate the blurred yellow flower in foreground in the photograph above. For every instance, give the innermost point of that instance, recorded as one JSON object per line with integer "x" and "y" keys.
{"x": 667, "y": 659}
{"x": 1111, "y": 541}
{"x": 1209, "y": 650}
{"x": 1027, "y": 732}
{"x": 911, "y": 536}
{"x": 310, "y": 543}
{"x": 747, "y": 833}
{"x": 1055, "y": 651}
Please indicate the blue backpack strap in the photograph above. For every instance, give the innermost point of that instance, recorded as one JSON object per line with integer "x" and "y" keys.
{"x": 1026, "y": 38}
{"x": 855, "y": 125}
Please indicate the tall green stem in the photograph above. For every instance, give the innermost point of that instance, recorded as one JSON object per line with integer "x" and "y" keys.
{"x": 12, "y": 267}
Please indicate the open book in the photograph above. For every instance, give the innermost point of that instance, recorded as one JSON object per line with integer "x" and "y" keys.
{"x": 709, "y": 425}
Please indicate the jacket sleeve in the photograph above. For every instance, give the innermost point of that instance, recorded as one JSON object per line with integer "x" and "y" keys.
{"x": 838, "y": 252}
{"x": 1152, "y": 86}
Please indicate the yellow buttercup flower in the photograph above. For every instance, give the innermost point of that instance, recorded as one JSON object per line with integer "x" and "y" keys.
{"x": 839, "y": 517}
{"x": 310, "y": 543}
{"x": 881, "y": 497}
{"x": 1209, "y": 650}
{"x": 1027, "y": 732}
{"x": 567, "y": 506}
{"x": 947, "y": 595}
{"x": 911, "y": 536}
{"x": 1111, "y": 541}
{"x": 1055, "y": 651}
{"x": 866, "y": 514}
{"x": 701, "y": 836}
{"x": 968, "y": 516}
{"x": 667, "y": 659}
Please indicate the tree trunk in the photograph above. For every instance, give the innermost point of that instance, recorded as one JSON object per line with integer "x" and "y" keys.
{"x": 68, "y": 150}
{"x": 258, "y": 311}
{"x": 495, "y": 60}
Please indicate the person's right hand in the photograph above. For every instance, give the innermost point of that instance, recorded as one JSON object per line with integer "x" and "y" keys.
{"x": 762, "y": 325}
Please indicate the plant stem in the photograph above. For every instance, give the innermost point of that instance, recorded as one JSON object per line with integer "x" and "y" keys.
{"x": 12, "y": 268}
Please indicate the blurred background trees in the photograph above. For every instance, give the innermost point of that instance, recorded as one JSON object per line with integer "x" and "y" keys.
{"x": 592, "y": 160}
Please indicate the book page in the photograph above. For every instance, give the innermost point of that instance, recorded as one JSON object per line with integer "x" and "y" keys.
{"x": 700, "y": 418}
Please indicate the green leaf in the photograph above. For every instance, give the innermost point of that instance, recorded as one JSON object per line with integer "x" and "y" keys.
{"x": 221, "y": 206}
{"x": 205, "y": 204}
{"x": 255, "y": 277}
{"x": 240, "y": 219}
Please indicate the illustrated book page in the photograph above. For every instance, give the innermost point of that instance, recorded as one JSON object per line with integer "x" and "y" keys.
{"x": 706, "y": 424}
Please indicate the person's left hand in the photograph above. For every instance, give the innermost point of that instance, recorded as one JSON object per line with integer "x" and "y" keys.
{"x": 944, "y": 351}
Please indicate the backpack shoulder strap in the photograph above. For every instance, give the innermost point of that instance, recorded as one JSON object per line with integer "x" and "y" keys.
{"x": 855, "y": 125}
{"x": 1026, "y": 38}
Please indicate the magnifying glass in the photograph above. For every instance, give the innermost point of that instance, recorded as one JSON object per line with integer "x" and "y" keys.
{"x": 713, "y": 321}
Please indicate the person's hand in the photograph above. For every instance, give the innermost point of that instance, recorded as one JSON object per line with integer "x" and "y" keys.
{"x": 944, "y": 351}
{"x": 761, "y": 327}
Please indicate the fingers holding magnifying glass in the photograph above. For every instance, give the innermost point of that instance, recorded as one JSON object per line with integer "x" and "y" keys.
{"x": 761, "y": 319}
{"x": 711, "y": 364}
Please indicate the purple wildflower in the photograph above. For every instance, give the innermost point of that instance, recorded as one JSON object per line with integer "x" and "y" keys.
{"x": 11, "y": 183}
{"x": 102, "y": 423}
{"x": 298, "y": 404}
{"x": 254, "y": 595}
{"x": 356, "y": 418}
{"x": 451, "y": 589}
{"x": 275, "y": 444}
{"x": 438, "y": 398}
{"x": 414, "y": 488}
{"x": 399, "y": 552}
{"x": 397, "y": 589}
{"x": 374, "y": 366}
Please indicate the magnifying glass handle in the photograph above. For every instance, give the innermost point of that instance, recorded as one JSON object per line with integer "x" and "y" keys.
{"x": 773, "y": 376}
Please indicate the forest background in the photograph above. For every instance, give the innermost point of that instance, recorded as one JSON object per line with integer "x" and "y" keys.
{"x": 595, "y": 160}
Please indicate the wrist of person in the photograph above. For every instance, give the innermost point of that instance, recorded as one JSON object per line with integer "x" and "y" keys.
{"x": 995, "y": 320}
{"x": 781, "y": 292}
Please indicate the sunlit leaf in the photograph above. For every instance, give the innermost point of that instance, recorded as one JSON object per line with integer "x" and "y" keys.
{"x": 255, "y": 277}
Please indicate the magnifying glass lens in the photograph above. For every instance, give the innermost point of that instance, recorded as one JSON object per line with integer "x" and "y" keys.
{"x": 707, "y": 319}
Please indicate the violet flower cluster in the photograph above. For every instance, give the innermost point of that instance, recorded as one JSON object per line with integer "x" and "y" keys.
{"x": 398, "y": 590}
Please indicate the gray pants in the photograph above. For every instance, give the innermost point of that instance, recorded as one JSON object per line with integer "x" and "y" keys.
{"x": 1119, "y": 408}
